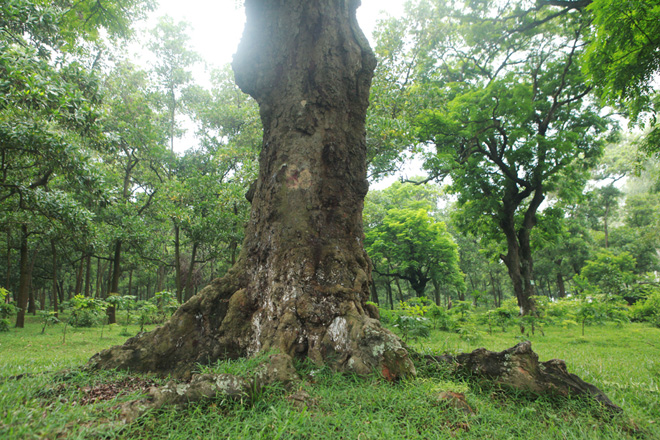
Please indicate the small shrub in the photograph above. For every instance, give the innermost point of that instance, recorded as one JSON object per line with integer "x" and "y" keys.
{"x": 441, "y": 318}
{"x": 85, "y": 312}
{"x": 647, "y": 310}
{"x": 413, "y": 327}
{"x": 6, "y": 310}
{"x": 462, "y": 310}
{"x": 47, "y": 318}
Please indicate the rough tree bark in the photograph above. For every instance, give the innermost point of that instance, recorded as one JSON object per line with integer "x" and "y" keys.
{"x": 301, "y": 282}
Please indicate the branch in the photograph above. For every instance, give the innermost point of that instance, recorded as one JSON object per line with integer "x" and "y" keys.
{"x": 569, "y": 4}
{"x": 148, "y": 202}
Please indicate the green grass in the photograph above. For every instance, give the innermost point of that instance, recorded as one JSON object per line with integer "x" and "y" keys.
{"x": 622, "y": 361}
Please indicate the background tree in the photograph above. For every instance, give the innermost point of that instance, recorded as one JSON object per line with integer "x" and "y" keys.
{"x": 174, "y": 59}
{"x": 49, "y": 103}
{"x": 507, "y": 117}
{"x": 136, "y": 161}
{"x": 416, "y": 248}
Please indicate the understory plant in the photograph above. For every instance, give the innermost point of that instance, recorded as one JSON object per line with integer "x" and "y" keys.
{"x": 6, "y": 310}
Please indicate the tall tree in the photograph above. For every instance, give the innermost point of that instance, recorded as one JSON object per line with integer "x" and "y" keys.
{"x": 507, "y": 116}
{"x": 49, "y": 99}
{"x": 136, "y": 161}
{"x": 172, "y": 68}
{"x": 301, "y": 282}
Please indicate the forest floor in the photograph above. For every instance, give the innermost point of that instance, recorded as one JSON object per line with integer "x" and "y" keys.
{"x": 39, "y": 401}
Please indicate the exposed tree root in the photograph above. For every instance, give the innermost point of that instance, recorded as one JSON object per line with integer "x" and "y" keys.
{"x": 278, "y": 369}
{"x": 519, "y": 368}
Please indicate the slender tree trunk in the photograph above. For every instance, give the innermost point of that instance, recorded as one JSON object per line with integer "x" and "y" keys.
{"x": 24, "y": 278}
{"x": 53, "y": 249}
{"x": 99, "y": 277}
{"x": 88, "y": 273}
{"x": 374, "y": 293}
{"x": 561, "y": 288}
{"x": 301, "y": 281}
{"x": 605, "y": 228}
{"x": 390, "y": 297}
{"x": 436, "y": 292}
{"x": 60, "y": 290}
{"x": 32, "y": 305}
{"x": 519, "y": 260}
{"x": 114, "y": 286}
{"x": 130, "y": 282}
{"x": 191, "y": 271}
{"x": 79, "y": 276}
{"x": 160, "y": 279}
{"x": 493, "y": 289}
{"x": 177, "y": 264}
{"x": 8, "y": 273}
{"x": 399, "y": 290}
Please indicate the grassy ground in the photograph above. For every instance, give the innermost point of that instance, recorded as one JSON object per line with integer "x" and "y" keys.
{"x": 623, "y": 361}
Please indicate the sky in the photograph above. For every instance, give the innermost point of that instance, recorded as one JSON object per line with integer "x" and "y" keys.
{"x": 217, "y": 25}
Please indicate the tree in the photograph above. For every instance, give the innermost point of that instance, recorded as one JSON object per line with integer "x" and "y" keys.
{"x": 136, "y": 160}
{"x": 417, "y": 248}
{"x": 405, "y": 240}
{"x": 173, "y": 59}
{"x": 301, "y": 281}
{"x": 507, "y": 118}
{"x": 49, "y": 105}
{"x": 611, "y": 274}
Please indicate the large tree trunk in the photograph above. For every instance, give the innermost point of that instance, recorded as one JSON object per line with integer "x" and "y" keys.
{"x": 301, "y": 282}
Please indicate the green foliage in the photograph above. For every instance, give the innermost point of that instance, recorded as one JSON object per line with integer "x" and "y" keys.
{"x": 6, "y": 310}
{"x": 410, "y": 320}
{"x": 147, "y": 313}
{"x": 48, "y": 318}
{"x": 462, "y": 310}
{"x": 157, "y": 309}
{"x": 166, "y": 304}
{"x": 412, "y": 327}
{"x": 503, "y": 316}
{"x": 84, "y": 311}
{"x": 506, "y": 113}
{"x": 647, "y": 309}
{"x": 608, "y": 273}
{"x": 415, "y": 248}
{"x": 622, "y": 57}
{"x": 441, "y": 318}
